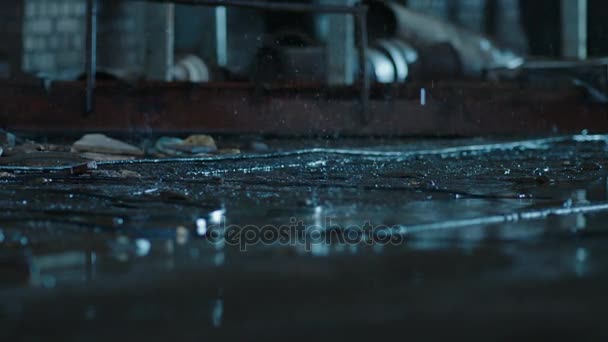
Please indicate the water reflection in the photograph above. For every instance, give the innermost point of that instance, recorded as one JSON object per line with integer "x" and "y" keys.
{"x": 466, "y": 232}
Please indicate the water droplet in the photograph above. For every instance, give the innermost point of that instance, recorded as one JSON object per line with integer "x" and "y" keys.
{"x": 219, "y": 259}
{"x": 217, "y": 216}
{"x": 181, "y": 235}
{"x": 423, "y": 97}
{"x": 201, "y": 227}
{"x": 581, "y": 255}
{"x": 143, "y": 247}
{"x": 217, "y": 313}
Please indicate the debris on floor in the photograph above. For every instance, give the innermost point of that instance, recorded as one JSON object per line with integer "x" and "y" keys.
{"x": 102, "y": 148}
{"x": 258, "y": 146}
{"x": 166, "y": 146}
{"x": 201, "y": 140}
{"x": 105, "y": 157}
{"x": 116, "y": 174}
{"x": 6, "y": 175}
{"x": 193, "y": 145}
{"x": 7, "y": 139}
{"x": 33, "y": 147}
{"x": 42, "y": 159}
{"x": 102, "y": 144}
{"x": 225, "y": 151}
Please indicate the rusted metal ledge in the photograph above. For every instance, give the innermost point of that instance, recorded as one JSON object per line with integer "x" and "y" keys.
{"x": 463, "y": 109}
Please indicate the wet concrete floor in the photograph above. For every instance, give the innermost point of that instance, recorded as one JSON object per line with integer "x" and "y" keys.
{"x": 432, "y": 239}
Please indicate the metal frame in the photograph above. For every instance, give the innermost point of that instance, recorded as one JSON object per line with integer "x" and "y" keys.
{"x": 359, "y": 11}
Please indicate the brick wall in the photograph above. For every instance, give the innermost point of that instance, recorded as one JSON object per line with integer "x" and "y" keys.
{"x": 53, "y": 37}
{"x": 11, "y": 14}
{"x": 47, "y": 37}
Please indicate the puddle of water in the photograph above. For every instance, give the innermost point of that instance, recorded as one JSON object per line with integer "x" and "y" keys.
{"x": 489, "y": 218}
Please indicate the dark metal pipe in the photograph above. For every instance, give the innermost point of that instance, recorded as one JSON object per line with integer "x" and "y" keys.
{"x": 477, "y": 52}
{"x": 91, "y": 55}
{"x": 363, "y": 68}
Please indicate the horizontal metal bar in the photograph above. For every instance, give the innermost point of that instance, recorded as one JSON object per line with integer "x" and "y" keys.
{"x": 270, "y": 6}
{"x": 452, "y": 109}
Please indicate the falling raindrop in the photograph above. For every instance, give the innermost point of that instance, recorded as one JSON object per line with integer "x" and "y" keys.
{"x": 423, "y": 97}
{"x": 143, "y": 247}
{"x": 201, "y": 227}
{"x": 217, "y": 313}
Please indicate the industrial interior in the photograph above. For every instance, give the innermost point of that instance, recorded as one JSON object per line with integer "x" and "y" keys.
{"x": 307, "y": 169}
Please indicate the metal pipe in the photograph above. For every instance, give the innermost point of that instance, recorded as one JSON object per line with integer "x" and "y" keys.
{"x": 339, "y": 33}
{"x": 363, "y": 68}
{"x": 91, "y": 55}
{"x": 477, "y": 52}
{"x": 574, "y": 28}
{"x": 160, "y": 18}
{"x": 221, "y": 36}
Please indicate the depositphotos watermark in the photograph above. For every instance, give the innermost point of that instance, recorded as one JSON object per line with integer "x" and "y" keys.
{"x": 296, "y": 233}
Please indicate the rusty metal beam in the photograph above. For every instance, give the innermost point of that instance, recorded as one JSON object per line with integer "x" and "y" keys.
{"x": 463, "y": 109}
